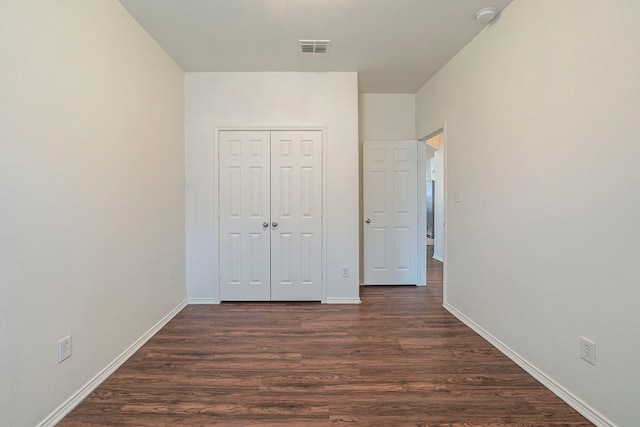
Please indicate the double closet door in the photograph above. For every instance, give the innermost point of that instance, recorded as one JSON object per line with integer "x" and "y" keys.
{"x": 270, "y": 215}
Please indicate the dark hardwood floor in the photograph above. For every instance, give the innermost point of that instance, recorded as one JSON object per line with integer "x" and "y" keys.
{"x": 397, "y": 359}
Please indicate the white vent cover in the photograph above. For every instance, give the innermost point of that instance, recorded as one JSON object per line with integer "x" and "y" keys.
{"x": 314, "y": 46}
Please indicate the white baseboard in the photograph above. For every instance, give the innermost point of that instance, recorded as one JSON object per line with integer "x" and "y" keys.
{"x": 421, "y": 284}
{"x": 438, "y": 258}
{"x": 564, "y": 394}
{"x": 203, "y": 301}
{"x": 343, "y": 300}
{"x": 94, "y": 382}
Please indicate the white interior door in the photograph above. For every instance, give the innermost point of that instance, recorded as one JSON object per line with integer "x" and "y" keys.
{"x": 270, "y": 200}
{"x": 296, "y": 215}
{"x": 245, "y": 209}
{"x": 390, "y": 212}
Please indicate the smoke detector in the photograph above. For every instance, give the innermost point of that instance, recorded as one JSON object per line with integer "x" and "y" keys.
{"x": 486, "y": 15}
{"x": 314, "y": 46}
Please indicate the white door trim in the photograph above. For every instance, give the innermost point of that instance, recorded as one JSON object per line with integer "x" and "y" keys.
{"x": 444, "y": 210}
{"x": 422, "y": 217}
{"x": 216, "y": 206}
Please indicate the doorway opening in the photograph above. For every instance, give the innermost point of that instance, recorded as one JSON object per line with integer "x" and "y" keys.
{"x": 432, "y": 211}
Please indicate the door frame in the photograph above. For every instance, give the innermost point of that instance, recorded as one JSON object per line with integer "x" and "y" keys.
{"x": 422, "y": 209}
{"x": 422, "y": 216}
{"x": 216, "y": 200}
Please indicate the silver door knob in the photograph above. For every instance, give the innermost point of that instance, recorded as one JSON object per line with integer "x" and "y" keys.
{"x": 265, "y": 224}
{"x": 368, "y": 221}
{"x": 275, "y": 224}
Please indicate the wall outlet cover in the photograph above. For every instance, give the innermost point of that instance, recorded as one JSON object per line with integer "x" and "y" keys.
{"x": 588, "y": 350}
{"x": 64, "y": 348}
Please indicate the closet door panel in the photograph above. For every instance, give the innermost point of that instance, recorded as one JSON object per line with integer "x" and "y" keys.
{"x": 296, "y": 215}
{"x": 244, "y": 207}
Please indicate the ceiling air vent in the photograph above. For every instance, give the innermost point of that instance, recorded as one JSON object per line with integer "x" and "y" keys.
{"x": 314, "y": 46}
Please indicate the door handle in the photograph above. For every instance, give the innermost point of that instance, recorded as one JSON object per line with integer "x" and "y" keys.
{"x": 265, "y": 224}
{"x": 274, "y": 224}
{"x": 368, "y": 221}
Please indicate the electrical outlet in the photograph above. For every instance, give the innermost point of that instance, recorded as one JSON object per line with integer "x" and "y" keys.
{"x": 345, "y": 272}
{"x": 64, "y": 348}
{"x": 588, "y": 350}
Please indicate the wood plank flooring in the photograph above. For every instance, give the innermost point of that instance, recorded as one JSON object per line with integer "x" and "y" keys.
{"x": 397, "y": 359}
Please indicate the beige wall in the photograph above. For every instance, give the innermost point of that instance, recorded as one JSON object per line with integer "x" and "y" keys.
{"x": 543, "y": 248}
{"x": 436, "y": 141}
{"x": 92, "y": 195}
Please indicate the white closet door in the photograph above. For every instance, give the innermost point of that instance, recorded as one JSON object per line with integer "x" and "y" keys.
{"x": 244, "y": 209}
{"x": 296, "y": 215}
{"x": 390, "y": 193}
{"x": 270, "y": 202}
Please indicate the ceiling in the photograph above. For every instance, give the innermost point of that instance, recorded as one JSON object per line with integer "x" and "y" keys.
{"x": 394, "y": 45}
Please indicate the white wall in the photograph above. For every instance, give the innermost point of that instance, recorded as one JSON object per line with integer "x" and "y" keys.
{"x": 438, "y": 219}
{"x": 92, "y": 195}
{"x": 543, "y": 248}
{"x": 431, "y": 172}
{"x": 270, "y": 100}
{"x": 389, "y": 116}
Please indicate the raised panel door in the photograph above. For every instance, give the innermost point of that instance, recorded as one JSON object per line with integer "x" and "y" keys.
{"x": 244, "y": 204}
{"x": 296, "y": 211}
{"x": 390, "y": 212}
